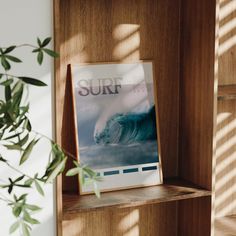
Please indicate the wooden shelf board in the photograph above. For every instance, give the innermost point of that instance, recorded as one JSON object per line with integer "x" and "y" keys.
{"x": 172, "y": 190}
{"x": 226, "y": 92}
{"x": 225, "y": 226}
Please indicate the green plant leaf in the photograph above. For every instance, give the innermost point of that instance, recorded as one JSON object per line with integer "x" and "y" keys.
{"x": 7, "y": 82}
{"x": 40, "y": 57}
{"x": 39, "y": 188}
{"x": 12, "y": 58}
{"x": 13, "y": 147}
{"x": 76, "y": 163}
{"x": 17, "y": 98}
{"x": 10, "y": 188}
{"x": 72, "y": 172}
{"x": 39, "y": 42}
{"x": 7, "y": 92}
{"x": 19, "y": 179}
{"x": 6, "y": 65}
{"x": 9, "y": 49}
{"x": 96, "y": 189}
{"x": 17, "y": 210}
{"x": 27, "y": 124}
{"x": 22, "y": 197}
{"x": 23, "y": 141}
{"x": 89, "y": 171}
{"x": 2, "y": 159}
{"x": 28, "y": 151}
{"x": 14, "y": 227}
{"x": 17, "y": 87}
{"x": 50, "y": 52}
{"x": 29, "y": 182}
{"x": 25, "y": 229}
{"x": 36, "y": 50}
{"x": 82, "y": 176}
{"x": 57, "y": 171}
{"x": 33, "y": 207}
{"x": 29, "y": 219}
{"x": 46, "y": 41}
{"x": 24, "y": 110}
{"x": 32, "y": 81}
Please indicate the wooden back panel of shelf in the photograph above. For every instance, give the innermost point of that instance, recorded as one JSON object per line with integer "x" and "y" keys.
{"x": 105, "y": 31}
{"x": 119, "y": 30}
{"x": 127, "y": 31}
{"x": 197, "y": 95}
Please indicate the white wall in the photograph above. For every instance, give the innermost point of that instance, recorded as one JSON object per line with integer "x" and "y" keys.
{"x": 21, "y": 21}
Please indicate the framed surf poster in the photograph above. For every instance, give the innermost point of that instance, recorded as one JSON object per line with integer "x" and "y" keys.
{"x": 117, "y": 124}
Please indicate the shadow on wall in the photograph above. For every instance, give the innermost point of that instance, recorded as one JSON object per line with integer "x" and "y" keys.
{"x": 226, "y": 119}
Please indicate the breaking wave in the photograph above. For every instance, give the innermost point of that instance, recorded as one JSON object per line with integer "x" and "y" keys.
{"x": 128, "y": 128}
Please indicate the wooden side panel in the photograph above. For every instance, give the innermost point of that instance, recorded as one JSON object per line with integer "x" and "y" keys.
{"x": 227, "y": 42}
{"x": 151, "y": 220}
{"x": 68, "y": 138}
{"x": 225, "y": 202}
{"x": 197, "y": 91}
{"x": 194, "y": 217}
{"x": 56, "y": 19}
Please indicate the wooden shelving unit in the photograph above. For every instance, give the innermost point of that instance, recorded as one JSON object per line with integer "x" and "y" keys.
{"x": 172, "y": 190}
{"x": 181, "y": 38}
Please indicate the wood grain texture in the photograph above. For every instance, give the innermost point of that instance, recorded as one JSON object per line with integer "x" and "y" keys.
{"x": 56, "y": 21}
{"x": 127, "y": 31}
{"x": 226, "y": 226}
{"x": 194, "y": 217}
{"x": 124, "y": 31}
{"x": 118, "y": 30}
{"x": 227, "y": 92}
{"x": 173, "y": 190}
{"x": 197, "y": 96}
{"x": 227, "y": 42}
{"x": 225, "y": 202}
{"x": 68, "y": 134}
{"x": 197, "y": 112}
{"x": 143, "y": 221}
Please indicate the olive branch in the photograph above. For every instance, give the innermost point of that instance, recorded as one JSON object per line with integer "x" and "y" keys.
{"x": 16, "y": 134}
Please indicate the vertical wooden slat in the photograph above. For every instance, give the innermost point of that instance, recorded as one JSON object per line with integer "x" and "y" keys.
{"x": 197, "y": 95}
{"x": 198, "y": 99}
{"x": 57, "y": 44}
{"x": 194, "y": 217}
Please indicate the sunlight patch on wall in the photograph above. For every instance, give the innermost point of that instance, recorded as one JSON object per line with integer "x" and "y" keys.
{"x": 127, "y": 37}
{"x": 227, "y": 9}
{"x": 128, "y": 225}
{"x": 228, "y": 44}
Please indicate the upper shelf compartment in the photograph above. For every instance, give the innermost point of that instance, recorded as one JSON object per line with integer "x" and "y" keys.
{"x": 172, "y": 190}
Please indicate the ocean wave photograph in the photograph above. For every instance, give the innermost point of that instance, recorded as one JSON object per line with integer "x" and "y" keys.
{"x": 116, "y": 116}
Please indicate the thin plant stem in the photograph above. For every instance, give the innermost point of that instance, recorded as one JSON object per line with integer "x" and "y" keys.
{"x": 23, "y": 45}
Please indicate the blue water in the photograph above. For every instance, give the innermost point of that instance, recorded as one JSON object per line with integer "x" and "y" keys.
{"x": 127, "y": 139}
{"x": 128, "y": 128}
{"x": 115, "y": 155}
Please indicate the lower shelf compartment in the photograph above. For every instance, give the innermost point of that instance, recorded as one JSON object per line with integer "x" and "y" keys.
{"x": 225, "y": 226}
{"x": 171, "y": 190}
